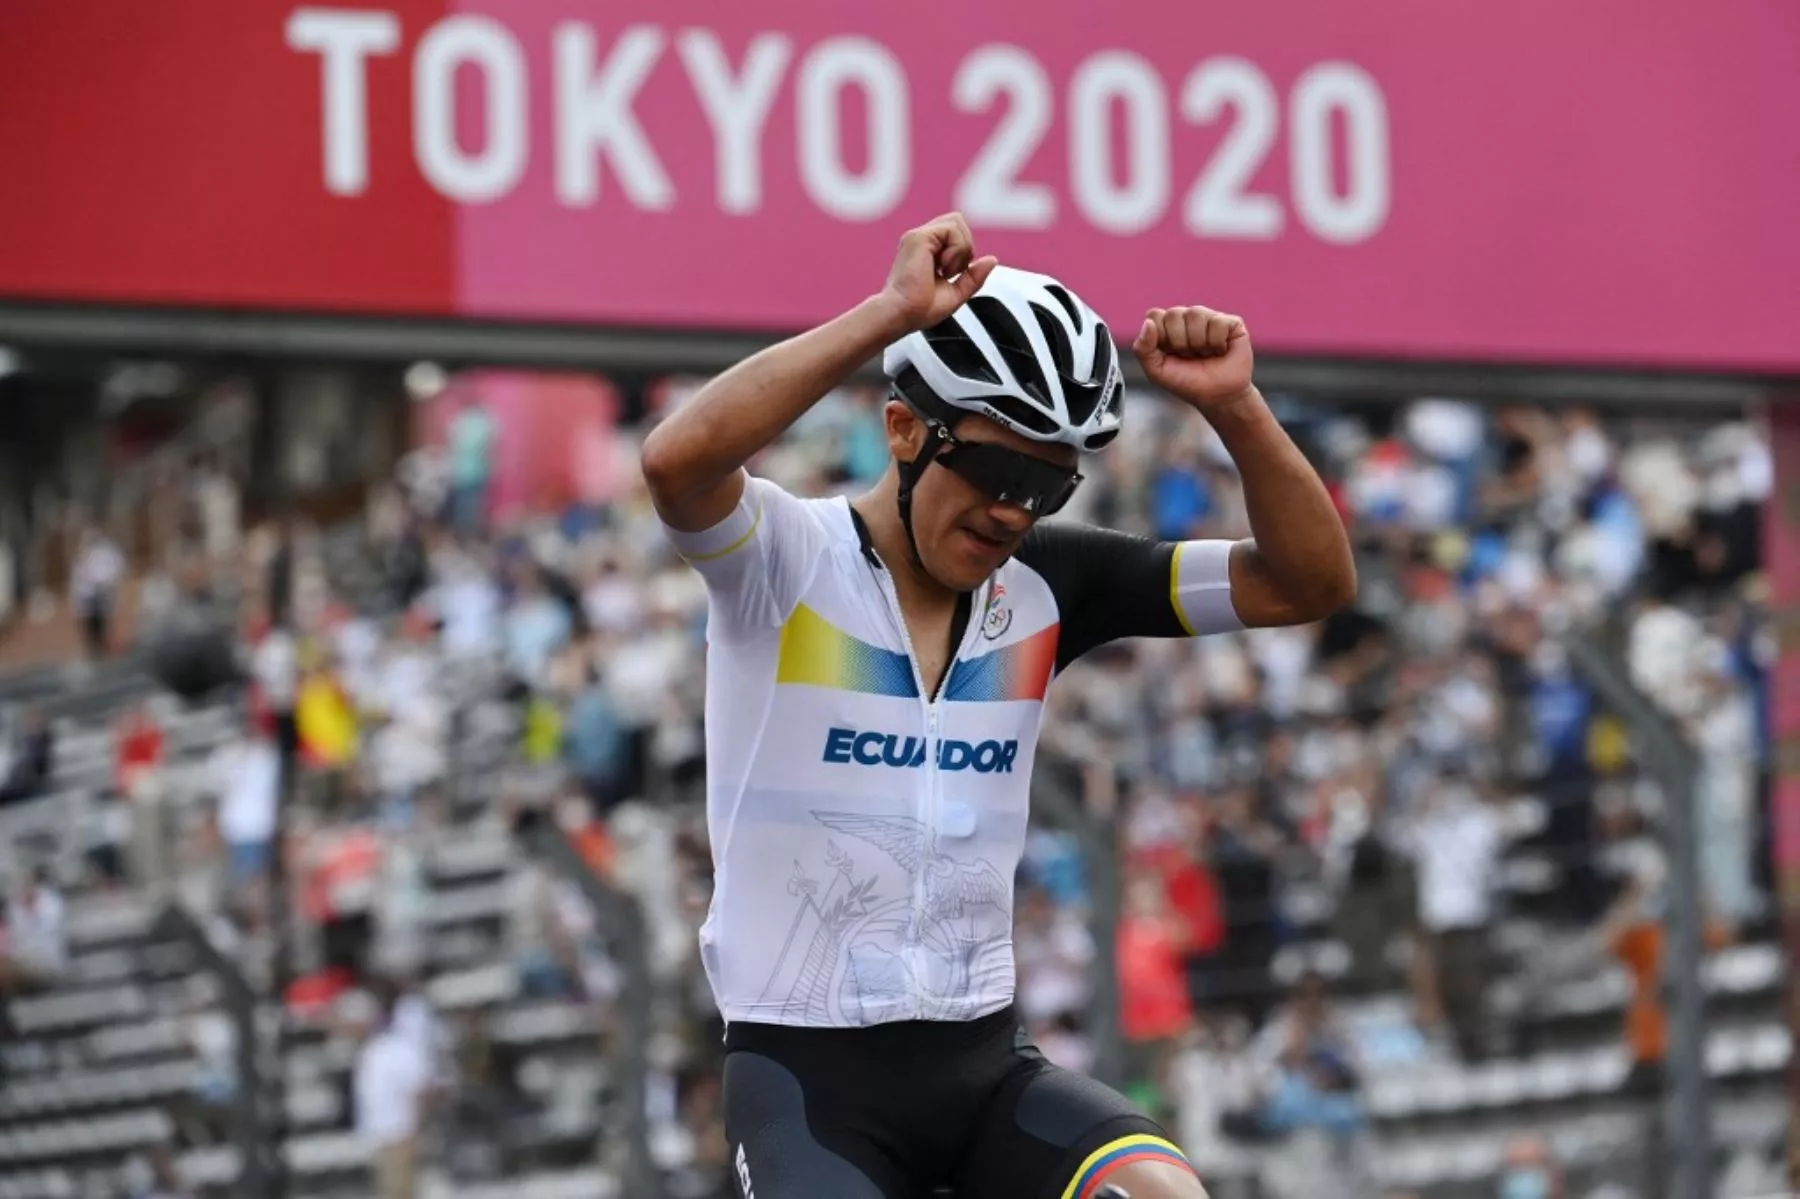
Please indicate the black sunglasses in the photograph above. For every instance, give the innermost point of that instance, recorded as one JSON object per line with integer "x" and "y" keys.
{"x": 1007, "y": 475}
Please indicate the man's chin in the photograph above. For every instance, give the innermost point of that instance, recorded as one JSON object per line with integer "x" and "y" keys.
{"x": 969, "y": 574}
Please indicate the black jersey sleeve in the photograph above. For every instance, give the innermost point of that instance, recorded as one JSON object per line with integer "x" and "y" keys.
{"x": 1107, "y": 585}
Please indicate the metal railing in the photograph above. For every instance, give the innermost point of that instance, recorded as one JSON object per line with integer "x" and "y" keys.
{"x": 260, "y": 1152}
{"x": 1057, "y": 794}
{"x": 620, "y": 914}
{"x": 1672, "y": 762}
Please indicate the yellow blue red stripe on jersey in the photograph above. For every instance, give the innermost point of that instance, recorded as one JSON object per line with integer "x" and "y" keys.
{"x": 1113, "y": 1155}
{"x": 1020, "y": 671}
{"x": 814, "y": 651}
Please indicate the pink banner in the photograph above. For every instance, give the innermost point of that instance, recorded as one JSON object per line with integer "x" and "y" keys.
{"x": 1582, "y": 181}
{"x": 1602, "y": 181}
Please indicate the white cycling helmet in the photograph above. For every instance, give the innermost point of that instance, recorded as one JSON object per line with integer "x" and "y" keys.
{"x": 1024, "y": 352}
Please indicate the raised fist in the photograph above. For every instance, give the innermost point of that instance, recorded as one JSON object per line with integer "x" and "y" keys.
{"x": 1196, "y": 354}
{"x": 935, "y": 272}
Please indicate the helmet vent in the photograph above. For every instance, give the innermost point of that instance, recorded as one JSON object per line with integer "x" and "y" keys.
{"x": 962, "y": 356}
{"x": 1083, "y": 398}
{"x": 1057, "y": 338}
{"x": 1023, "y": 414}
{"x": 1014, "y": 346}
{"x": 1061, "y": 296}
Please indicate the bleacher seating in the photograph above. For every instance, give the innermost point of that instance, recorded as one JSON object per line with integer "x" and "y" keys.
{"x": 102, "y": 1059}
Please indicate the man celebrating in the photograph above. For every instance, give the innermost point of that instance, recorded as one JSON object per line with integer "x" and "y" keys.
{"x": 875, "y": 682}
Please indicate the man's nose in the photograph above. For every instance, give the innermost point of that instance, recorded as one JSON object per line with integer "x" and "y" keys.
{"x": 1014, "y": 518}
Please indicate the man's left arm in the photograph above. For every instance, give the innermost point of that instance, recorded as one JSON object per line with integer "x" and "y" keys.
{"x": 1296, "y": 567}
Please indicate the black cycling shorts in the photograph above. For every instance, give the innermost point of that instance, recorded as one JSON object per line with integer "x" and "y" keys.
{"x": 896, "y": 1111}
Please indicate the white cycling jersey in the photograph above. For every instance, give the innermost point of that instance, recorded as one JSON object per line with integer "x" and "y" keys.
{"x": 864, "y": 834}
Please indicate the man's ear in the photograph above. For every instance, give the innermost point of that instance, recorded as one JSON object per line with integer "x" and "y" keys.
{"x": 905, "y": 431}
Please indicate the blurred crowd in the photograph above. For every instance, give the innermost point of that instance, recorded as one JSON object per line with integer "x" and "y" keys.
{"x": 1304, "y": 815}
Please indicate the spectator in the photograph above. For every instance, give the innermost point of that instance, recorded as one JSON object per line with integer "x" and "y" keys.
{"x": 542, "y": 741}
{"x": 423, "y": 475}
{"x": 1530, "y": 1172}
{"x": 353, "y": 643}
{"x": 93, "y": 589}
{"x": 392, "y": 1091}
{"x": 398, "y": 543}
{"x": 217, "y": 497}
{"x": 540, "y": 953}
{"x": 467, "y": 601}
{"x": 613, "y": 600}
{"x": 536, "y": 626}
{"x": 1241, "y": 848}
{"x": 407, "y": 746}
{"x": 1724, "y": 732}
{"x": 138, "y": 748}
{"x": 37, "y": 944}
{"x": 1561, "y": 709}
{"x": 280, "y": 572}
{"x": 594, "y": 742}
{"x": 246, "y": 777}
{"x": 1307, "y": 1034}
{"x": 1313, "y": 1102}
{"x": 105, "y": 832}
{"x": 275, "y": 670}
{"x": 1313, "y": 1061}
{"x": 1378, "y": 900}
{"x": 1055, "y": 955}
{"x": 418, "y": 1023}
{"x": 638, "y": 675}
{"x": 329, "y": 730}
{"x": 1179, "y": 498}
{"x": 575, "y": 816}
{"x": 341, "y": 872}
{"x": 1192, "y": 894}
{"x": 1634, "y": 932}
{"x": 472, "y": 443}
{"x": 407, "y": 672}
{"x": 1153, "y": 994}
{"x": 400, "y": 907}
{"x": 205, "y": 1116}
{"x": 28, "y": 759}
{"x": 1455, "y": 845}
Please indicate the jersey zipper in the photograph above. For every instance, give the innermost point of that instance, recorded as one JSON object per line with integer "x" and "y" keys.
{"x": 930, "y": 806}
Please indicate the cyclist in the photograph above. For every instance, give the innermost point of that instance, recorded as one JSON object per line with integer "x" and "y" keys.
{"x": 875, "y": 677}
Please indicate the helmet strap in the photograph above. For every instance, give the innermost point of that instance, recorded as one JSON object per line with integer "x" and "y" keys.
{"x": 937, "y": 433}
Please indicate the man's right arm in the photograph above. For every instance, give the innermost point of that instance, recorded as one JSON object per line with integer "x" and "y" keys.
{"x": 694, "y": 461}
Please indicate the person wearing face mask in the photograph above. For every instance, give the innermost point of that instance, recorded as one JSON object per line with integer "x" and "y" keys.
{"x": 1530, "y": 1172}
{"x": 876, "y": 673}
